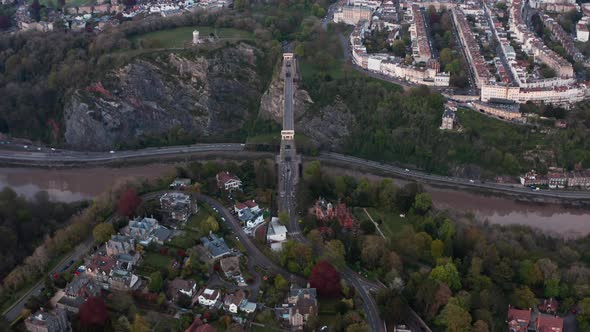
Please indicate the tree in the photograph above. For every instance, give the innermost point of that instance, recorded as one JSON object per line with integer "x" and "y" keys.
{"x": 284, "y": 218}
{"x": 422, "y": 203}
{"x": 447, "y": 274}
{"x": 374, "y": 248}
{"x": 103, "y": 232}
{"x": 368, "y": 227}
{"x": 399, "y": 48}
{"x": 524, "y": 298}
{"x": 392, "y": 306}
{"x": 36, "y": 10}
{"x": 209, "y": 225}
{"x": 551, "y": 288}
{"x": 480, "y": 326}
{"x": 436, "y": 248}
{"x": 454, "y": 318}
{"x": 529, "y": 273}
{"x": 281, "y": 283}
{"x": 584, "y": 314}
{"x": 325, "y": 279}
{"x": 335, "y": 252}
{"x": 93, "y": 313}
{"x": 128, "y": 202}
{"x": 156, "y": 282}
{"x": 446, "y": 56}
{"x": 4, "y": 22}
{"x": 139, "y": 324}
{"x": 387, "y": 192}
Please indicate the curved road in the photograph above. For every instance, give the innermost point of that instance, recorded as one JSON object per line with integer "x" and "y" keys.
{"x": 255, "y": 256}
{"x": 24, "y": 157}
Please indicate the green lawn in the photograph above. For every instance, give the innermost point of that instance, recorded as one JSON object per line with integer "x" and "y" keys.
{"x": 392, "y": 222}
{"x": 179, "y": 37}
{"x": 195, "y": 221}
{"x": 188, "y": 239}
{"x": 152, "y": 262}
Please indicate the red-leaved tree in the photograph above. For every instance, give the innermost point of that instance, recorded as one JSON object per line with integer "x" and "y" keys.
{"x": 93, "y": 313}
{"x": 325, "y": 279}
{"x": 128, "y": 202}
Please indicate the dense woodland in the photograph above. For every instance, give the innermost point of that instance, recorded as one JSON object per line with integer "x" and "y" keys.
{"x": 24, "y": 223}
{"x": 458, "y": 273}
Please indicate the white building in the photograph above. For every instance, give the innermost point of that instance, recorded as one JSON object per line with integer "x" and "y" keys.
{"x": 208, "y": 297}
{"x": 582, "y": 34}
{"x": 276, "y": 234}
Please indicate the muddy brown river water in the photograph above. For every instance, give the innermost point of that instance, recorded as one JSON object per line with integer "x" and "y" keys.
{"x": 85, "y": 183}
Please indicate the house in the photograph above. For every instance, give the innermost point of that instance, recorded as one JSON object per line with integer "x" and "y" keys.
{"x": 232, "y": 302}
{"x": 248, "y": 307}
{"x": 250, "y": 205}
{"x": 43, "y": 321}
{"x": 120, "y": 244}
{"x": 548, "y": 323}
{"x": 276, "y": 234}
{"x": 518, "y": 320}
{"x": 448, "y": 119}
{"x": 549, "y": 306}
{"x": 110, "y": 273}
{"x": 180, "y": 183}
{"x": 141, "y": 229}
{"x": 215, "y": 245}
{"x": 199, "y": 326}
{"x": 249, "y": 218}
{"x": 76, "y": 292}
{"x": 230, "y": 266}
{"x": 178, "y": 205}
{"x": 228, "y": 181}
{"x": 179, "y": 287}
{"x": 579, "y": 178}
{"x": 557, "y": 180}
{"x": 323, "y": 209}
{"x": 533, "y": 179}
{"x": 146, "y": 230}
{"x": 208, "y": 297}
{"x": 300, "y": 307}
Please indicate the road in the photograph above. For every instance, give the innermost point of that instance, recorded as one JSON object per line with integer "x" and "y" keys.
{"x": 13, "y": 152}
{"x": 77, "y": 253}
{"x": 57, "y": 159}
{"x": 288, "y": 164}
{"x": 255, "y": 256}
{"x": 453, "y": 181}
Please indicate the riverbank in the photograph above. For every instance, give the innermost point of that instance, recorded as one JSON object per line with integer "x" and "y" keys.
{"x": 71, "y": 184}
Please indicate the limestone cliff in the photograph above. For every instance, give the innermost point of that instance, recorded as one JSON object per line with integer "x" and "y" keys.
{"x": 208, "y": 95}
{"x": 326, "y": 126}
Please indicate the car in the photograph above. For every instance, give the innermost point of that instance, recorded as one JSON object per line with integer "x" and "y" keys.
{"x": 38, "y": 149}
{"x": 537, "y": 189}
{"x": 237, "y": 238}
{"x": 111, "y": 152}
{"x": 223, "y": 218}
{"x": 52, "y": 149}
{"x": 407, "y": 170}
{"x": 26, "y": 146}
{"x": 41, "y": 290}
{"x": 471, "y": 181}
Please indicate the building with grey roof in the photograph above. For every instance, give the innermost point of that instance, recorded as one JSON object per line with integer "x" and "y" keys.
{"x": 215, "y": 245}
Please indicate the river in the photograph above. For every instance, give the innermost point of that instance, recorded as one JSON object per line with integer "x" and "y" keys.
{"x": 85, "y": 183}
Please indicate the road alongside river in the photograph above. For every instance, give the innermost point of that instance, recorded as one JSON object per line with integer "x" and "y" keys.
{"x": 85, "y": 183}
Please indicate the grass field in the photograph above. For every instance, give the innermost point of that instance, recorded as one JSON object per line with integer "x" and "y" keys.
{"x": 195, "y": 221}
{"x": 392, "y": 222}
{"x": 179, "y": 37}
{"x": 153, "y": 262}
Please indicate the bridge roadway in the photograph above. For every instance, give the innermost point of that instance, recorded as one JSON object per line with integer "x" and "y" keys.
{"x": 288, "y": 165}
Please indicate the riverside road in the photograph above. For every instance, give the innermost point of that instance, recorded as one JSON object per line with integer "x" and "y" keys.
{"x": 27, "y": 157}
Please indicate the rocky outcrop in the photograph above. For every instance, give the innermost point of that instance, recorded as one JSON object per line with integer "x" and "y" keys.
{"x": 273, "y": 99}
{"x": 193, "y": 95}
{"x": 327, "y": 126}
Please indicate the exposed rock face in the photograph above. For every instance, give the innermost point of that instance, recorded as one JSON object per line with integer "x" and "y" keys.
{"x": 273, "y": 99}
{"x": 189, "y": 95}
{"x": 327, "y": 127}
{"x": 330, "y": 127}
